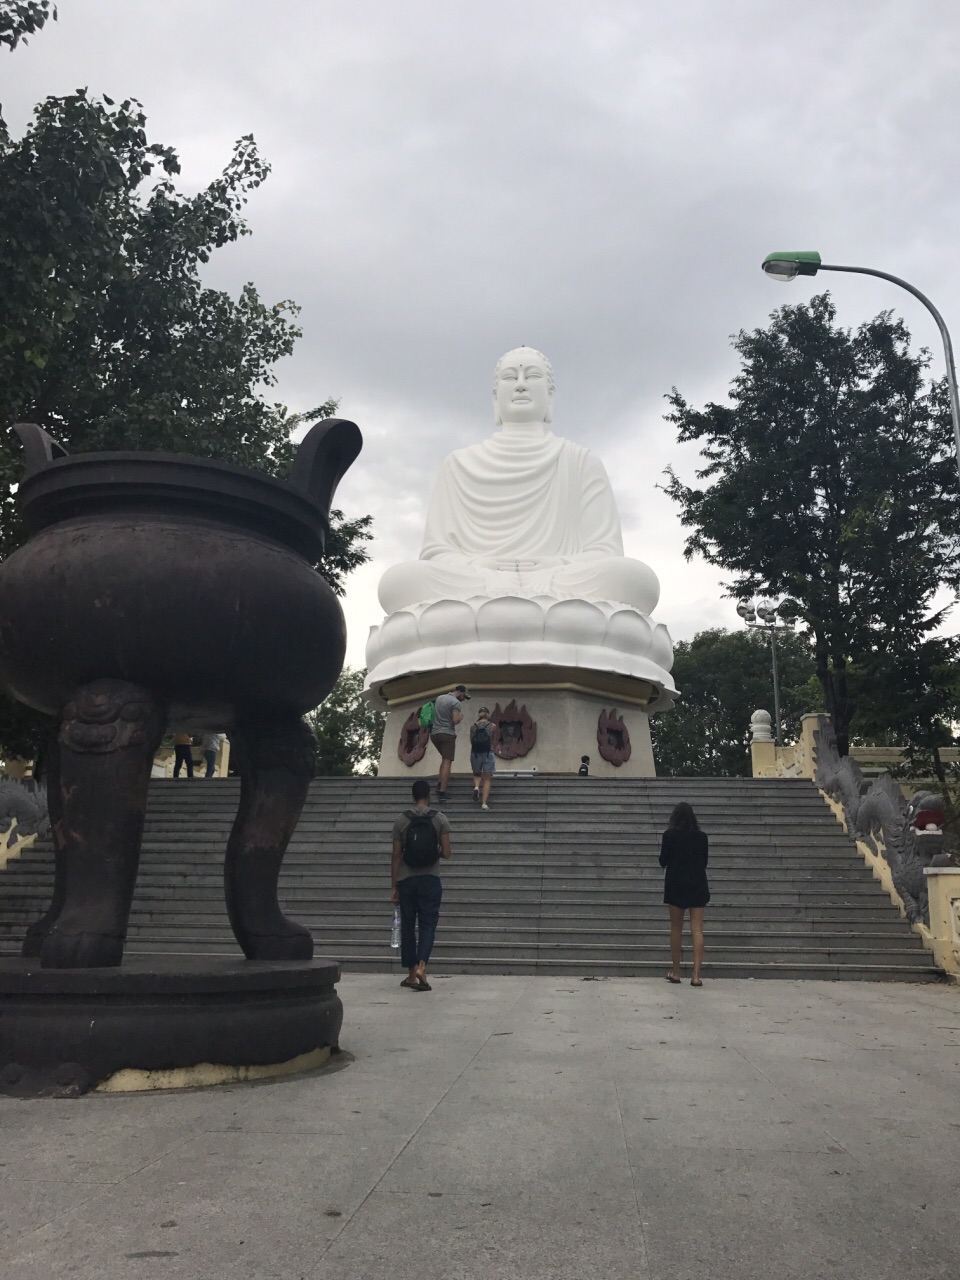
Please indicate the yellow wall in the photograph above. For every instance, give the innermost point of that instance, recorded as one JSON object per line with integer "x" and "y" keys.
{"x": 943, "y": 888}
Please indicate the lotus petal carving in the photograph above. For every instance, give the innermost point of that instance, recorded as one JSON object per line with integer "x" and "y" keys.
{"x": 575, "y": 622}
{"x": 509, "y": 618}
{"x": 594, "y": 636}
{"x": 448, "y": 622}
{"x": 399, "y": 634}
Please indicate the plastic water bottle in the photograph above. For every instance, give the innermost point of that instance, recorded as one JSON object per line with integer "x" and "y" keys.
{"x": 395, "y": 930}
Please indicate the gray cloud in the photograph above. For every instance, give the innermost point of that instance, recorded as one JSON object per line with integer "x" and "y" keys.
{"x": 599, "y": 181}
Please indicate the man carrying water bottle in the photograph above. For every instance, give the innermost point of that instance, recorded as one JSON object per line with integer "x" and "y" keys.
{"x": 421, "y": 837}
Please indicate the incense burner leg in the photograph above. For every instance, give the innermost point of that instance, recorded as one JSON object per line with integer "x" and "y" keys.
{"x": 109, "y": 732}
{"x": 276, "y": 761}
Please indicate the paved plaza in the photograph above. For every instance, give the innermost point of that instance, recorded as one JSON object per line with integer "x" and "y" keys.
{"x": 525, "y": 1128}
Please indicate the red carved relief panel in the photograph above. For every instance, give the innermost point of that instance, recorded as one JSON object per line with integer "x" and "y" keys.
{"x": 613, "y": 738}
{"x": 412, "y": 746}
{"x": 517, "y": 731}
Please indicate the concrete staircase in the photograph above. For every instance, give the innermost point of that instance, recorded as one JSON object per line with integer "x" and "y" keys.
{"x": 561, "y": 876}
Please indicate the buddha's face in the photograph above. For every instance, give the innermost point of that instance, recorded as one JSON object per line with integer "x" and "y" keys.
{"x": 522, "y": 392}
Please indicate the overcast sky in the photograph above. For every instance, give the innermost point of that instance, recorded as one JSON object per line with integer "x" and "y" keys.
{"x": 452, "y": 178}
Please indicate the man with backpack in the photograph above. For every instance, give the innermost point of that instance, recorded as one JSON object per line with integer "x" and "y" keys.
{"x": 483, "y": 737}
{"x": 442, "y": 718}
{"x": 421, "y": 837}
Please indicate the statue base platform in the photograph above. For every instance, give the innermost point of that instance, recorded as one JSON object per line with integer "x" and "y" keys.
{"x": 159, "y": 1023}
{"x": 548, "y": 718}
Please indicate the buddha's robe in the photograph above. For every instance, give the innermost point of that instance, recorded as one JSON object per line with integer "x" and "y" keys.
{"x": 523, "y": 513}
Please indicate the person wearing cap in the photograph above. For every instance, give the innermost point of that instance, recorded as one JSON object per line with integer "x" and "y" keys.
{"x": 443, "y": 734}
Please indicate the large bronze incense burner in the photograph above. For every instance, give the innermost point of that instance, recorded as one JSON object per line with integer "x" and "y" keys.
{"x": 158, "y": 589}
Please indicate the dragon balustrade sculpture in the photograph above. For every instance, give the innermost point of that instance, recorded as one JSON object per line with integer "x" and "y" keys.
{"x": 879, "y": 814}
{"x": 23, "y": 809}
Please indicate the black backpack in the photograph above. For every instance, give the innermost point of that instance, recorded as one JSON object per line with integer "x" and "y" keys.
{"x": 482, "y": 742}
{"x": 421, "y": 844}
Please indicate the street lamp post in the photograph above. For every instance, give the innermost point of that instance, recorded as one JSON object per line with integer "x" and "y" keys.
{"x": 787, "y": 266}
{"x": 767, "y": 612}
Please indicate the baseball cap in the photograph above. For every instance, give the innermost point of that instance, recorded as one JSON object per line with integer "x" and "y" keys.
{"x": 462, "y": 688}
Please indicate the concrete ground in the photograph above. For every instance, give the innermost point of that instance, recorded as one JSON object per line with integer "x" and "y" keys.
{"x": 526, "y": 1128}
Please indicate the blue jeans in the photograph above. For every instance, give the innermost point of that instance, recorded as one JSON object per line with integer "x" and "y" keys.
{"x": 419, "y": 906}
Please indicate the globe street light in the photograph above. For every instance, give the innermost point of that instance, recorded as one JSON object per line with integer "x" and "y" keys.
{"x": 787, "y": 266}
{"x": 767, "y": 612}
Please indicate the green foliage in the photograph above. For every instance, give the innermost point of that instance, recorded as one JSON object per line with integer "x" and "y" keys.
{"x": 108, "y": 337}
{"x": 723, "y": 677}
{"x": 22, "y": 18}
{"x": 832, "y": 482}
{"x": 918, "y": 706}
{"x": 349, "y": 731}
{"x": 345, "y": 550}
{"x": 23, "y": 731}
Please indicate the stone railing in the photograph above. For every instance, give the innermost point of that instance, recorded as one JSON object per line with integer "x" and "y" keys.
{"x": 23, "y": 816}
{"x": 893, "y": 831}
{"x": 770, "y": 761}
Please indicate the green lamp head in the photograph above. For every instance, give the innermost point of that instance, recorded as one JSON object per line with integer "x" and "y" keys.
{"x": 787, "y": 266}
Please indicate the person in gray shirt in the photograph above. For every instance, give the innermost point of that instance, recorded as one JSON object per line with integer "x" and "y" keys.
{"x": 421, "y": 837}
{"x": 443, "y": 733}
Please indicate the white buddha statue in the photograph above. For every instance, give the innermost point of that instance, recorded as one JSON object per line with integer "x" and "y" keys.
{"x": 522, "y": 586}
{"x": 524, "y": 513}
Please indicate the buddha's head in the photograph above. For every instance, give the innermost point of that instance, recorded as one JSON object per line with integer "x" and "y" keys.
{"x": 523, "y": 387}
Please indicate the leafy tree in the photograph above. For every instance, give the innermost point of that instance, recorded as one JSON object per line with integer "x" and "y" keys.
{"x": 349, "y": 731}
{"x": 108, "y": 337}
{"x": 833, "y": 482}
{"x": 22, "y": 18}
{"x": 723, "y": 677}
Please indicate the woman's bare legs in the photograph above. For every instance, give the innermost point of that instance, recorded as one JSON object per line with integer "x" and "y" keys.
{"x": 676, "y": 940}
{"x": 696, "y": 928}
{"x": 487, "y": 779}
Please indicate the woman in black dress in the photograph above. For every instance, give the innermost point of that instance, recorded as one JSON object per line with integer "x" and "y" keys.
{"x": 683, "y": 852}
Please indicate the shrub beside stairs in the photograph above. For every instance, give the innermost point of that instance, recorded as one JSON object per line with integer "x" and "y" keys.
{"x": 561, "y": 877}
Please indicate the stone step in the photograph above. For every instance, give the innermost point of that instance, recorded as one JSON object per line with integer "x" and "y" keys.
{"x": 559, "y": 943}
{"x": 552, "y": 812}
{"x": 341, "y": 949}
{"x": 550, "y": 816}
{"x": 375, "y": 939}
{"x": 375, "y": 928}
{"x": 483, "y": 896}
{"x": 593, "y": 969}
{"x": 376, "y": 925}
{"x": 561, "y": 877}
{"x": 832, "y": 912}
{"x": 641, "y": 864}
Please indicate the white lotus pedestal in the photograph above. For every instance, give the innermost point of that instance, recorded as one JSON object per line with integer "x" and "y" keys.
{"x": 562, "y": 678}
